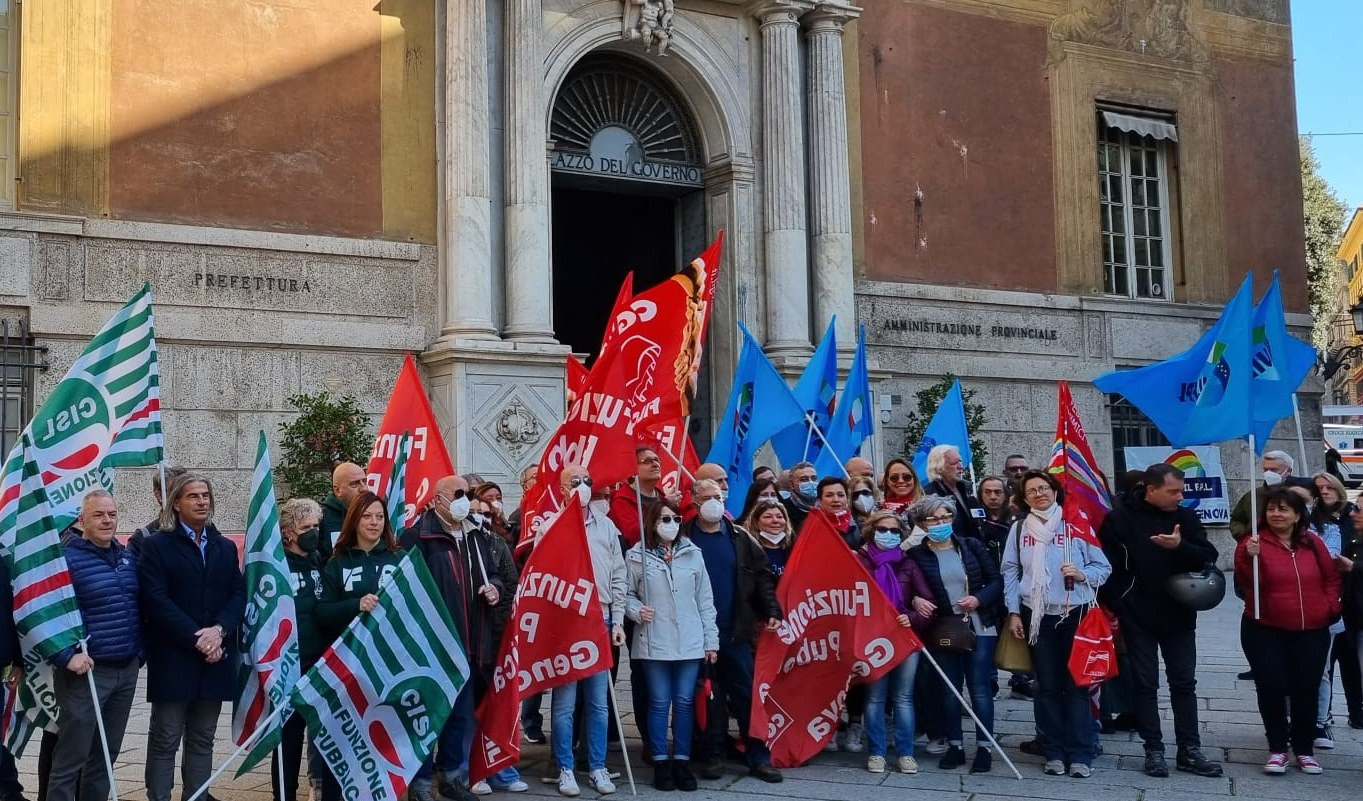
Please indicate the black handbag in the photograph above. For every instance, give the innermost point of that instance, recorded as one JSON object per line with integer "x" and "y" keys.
{"x": 953, "y": 633}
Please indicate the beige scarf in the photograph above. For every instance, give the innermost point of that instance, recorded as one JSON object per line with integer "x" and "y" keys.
{"x": 1042, "y": 527}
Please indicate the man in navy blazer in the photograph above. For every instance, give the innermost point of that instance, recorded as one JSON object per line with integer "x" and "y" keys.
{"x": 193, "y": 599}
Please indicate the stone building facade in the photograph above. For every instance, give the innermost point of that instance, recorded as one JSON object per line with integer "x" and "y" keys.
{"x": 1016, "y": 191}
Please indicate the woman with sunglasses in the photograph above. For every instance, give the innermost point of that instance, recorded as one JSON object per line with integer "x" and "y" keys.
{"x": 769, "y": 525}
{"x": 670, "y": 600}
{"x": 863, "y": 498}
{"x": 898, "y": 576}
{"x": 900, "y": 486}
{"x": 1050, "y": 578}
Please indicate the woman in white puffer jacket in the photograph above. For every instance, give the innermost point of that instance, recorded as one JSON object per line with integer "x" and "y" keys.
{"x": 670, "y": 599}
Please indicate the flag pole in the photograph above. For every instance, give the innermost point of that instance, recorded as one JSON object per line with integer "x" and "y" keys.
{"x": 99, "y": 721}
{"x": 1301, "y": 441}
{"x": 809, "y": 437}
{"x": 989, "y": 735}
{"x": 279, "y": 759}
{"x": 828, "y": 447}
{"x": 1254, "y": 519}
{"x": 250, "y": 741}
{"x": 643, "y": 548}
{"x": 620, "y": 730}
{"x": 677, "y": 460}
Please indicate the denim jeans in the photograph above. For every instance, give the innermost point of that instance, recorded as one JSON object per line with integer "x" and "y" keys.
{"x": 1062, "y": 709}
{"x": 1326, "y": 695}
{"x": 561, "y": 706}
{"x": 451, "y": 753}
{"x": 671, "y": 689}
{"x": 898, "y": 686}
{"x": 977, "y": 668}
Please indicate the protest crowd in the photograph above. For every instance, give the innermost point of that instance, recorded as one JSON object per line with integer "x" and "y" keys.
{"x": 406, "y": 635}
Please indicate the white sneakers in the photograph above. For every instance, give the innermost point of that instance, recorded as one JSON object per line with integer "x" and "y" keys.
{"x": 854, "y": 741}
{"x": 567, "y": 783}
{"x": 601, "y": 782}
{"x": 908, "y": 764}
{"x": 876, "y": 764}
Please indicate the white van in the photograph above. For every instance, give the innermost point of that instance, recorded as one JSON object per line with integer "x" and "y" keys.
{"x": 1348, "y": 440}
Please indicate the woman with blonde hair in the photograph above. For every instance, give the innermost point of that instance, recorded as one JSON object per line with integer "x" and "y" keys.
{"x": 770, "y": 526}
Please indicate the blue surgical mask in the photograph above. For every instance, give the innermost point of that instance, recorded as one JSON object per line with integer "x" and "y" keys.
{"x": 939, "y": 532}
{"x": 808, "y": 488}
{"x": 889, "y": 540}
{"x": 785, "y": 494}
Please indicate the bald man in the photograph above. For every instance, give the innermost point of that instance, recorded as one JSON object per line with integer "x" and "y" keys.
{"x": 858, "y": 467}
{"x": 347, "y": 481}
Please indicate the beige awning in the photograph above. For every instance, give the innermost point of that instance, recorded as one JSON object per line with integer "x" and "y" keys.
{"x": 1145, "y": 126}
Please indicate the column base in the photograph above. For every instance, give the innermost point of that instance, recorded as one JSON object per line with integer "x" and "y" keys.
{"x": 537, "y": 336}
{"x": 497, "y": 402}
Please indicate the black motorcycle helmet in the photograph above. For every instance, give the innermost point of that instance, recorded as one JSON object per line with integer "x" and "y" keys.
{"x": 1199, "y": 590}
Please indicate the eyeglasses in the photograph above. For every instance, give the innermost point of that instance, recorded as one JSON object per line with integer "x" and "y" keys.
{"x": 669, "y": 519}
{"x": 901, "y": 477}
{"x": 580, "y": 481}
{"x": 862, "y": 494}
{"x": 885, "y": 530}
{"x": 1036, "y": 491}
{"x": 650, "y": 460}
{"x": 939, "y": 519}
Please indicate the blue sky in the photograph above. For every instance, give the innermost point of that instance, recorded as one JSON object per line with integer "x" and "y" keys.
{"x": 1327, "y": 41}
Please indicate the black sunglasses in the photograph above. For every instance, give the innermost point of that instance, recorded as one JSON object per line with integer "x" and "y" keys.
{"x": 669, "y": 519}
{"x": 884, "y": 530}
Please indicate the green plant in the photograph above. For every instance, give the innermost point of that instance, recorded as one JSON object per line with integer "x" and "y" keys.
{"x": 929, "y": 398}
{"x": 326, "y": 432}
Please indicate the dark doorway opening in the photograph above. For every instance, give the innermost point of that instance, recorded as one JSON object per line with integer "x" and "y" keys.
{"x": 598, "y": 238}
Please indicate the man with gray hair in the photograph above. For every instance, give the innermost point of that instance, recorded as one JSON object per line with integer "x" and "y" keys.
{"x": 104, "y": 578}
{"x": 946, "y": 477}
{"x": 1278, "y": 467}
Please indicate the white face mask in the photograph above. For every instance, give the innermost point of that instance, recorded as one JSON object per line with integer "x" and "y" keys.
{"x": 459, "y": 509}
{"x": 667, "y": 532}
{"x": 1272, "y": 479}
{"x": 583, "y": 493}
{"x": 497, "y": 507}
{"x": 865, "y": 503}
{"x": 477, "y": 518}
{"x": 600, "y": 508}
{"x": 772, "y": 538}
{"x": 712, "y": 511}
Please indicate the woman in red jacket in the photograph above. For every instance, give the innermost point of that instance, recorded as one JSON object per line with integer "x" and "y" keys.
{"x": 1287, "y": 644}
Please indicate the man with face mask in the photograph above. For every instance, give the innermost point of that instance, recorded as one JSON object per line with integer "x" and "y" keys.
{"x": 1278, "y": 466}
{"x": 608, "y": 565}
{"x": 744, "y": 593}
{"x": 459, "y": 554}
{"x": 804, "y": 493}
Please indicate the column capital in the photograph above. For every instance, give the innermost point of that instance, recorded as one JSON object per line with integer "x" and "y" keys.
{"x": 776, "y": 12}
{"x": 830, "y": 17}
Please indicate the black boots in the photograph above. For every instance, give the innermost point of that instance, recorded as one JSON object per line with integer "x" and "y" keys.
{"x": 662, "y": 775}
{"x": 682, "y": 775}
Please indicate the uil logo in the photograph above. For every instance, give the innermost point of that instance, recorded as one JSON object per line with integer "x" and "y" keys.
{"x": 1262, "y": 365}
{"x": 1210, "y": 386}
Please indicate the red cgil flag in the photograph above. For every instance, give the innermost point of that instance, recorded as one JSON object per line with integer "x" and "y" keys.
{"x": 839, "y": 628}
{"x": 555, "y": 635}
{"x": 409, "y": 411}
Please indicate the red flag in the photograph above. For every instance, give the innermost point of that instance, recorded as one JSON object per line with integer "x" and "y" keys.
{"x": 409, "y": 411}
{"x": 679, "y": 458}
{"x": 555, "y": 635}
{"x": 576, "y": 379}
{"x": 1086, "y": 498}
{"x": 839, "y": 627}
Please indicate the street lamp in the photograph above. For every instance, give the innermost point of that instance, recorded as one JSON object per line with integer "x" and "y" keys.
{"x": 1340, "y": 357}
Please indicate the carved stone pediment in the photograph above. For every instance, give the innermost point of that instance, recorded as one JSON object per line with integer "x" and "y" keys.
{"x": 649, "y": 22}
{"x": 1158, "y": 28}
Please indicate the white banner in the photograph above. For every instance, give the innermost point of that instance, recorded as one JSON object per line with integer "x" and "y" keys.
{"x": 1204, "y": 483}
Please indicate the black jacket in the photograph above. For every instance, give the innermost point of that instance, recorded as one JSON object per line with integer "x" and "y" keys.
{"x": 994, "y": 533}
{"x": 755, "y": 595}
{"x": 981, "y": 571}
{"x": 333, "y": 515}
{"x": 10, "y": 652}
{"x": 459, "y": 567}
{"x": 182, "y": 591}
{"x": 306, "y": 574}
{"x": 1137, "y": 589}
{"x": 964, "y": 524}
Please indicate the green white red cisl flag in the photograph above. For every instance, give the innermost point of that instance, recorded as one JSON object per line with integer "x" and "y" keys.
{"x": 556, "y": 634}
{"x": 269, "y": 630}
{"x": 428, "y": 461}
{"x": 377, "y": 699}
{"x": 839, "y": 627}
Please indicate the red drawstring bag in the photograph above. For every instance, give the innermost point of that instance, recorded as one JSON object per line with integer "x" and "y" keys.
{"x": 1093, "y": 657}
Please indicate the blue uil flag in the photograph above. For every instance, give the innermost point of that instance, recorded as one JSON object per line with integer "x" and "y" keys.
{"x": 1204, "y": 394}
{"x": 1280, "y": 362}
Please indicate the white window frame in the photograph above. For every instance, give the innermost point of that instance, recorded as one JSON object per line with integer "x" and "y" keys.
{"x": 1161, "y": 148}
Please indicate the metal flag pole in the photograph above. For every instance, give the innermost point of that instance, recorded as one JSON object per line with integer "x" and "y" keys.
{"x": 1301, "y": 441}
{"x": 250, "y": 741}
{"x": 827, "y": 446}
{"x": 643, "y": 542}
{"x": 1254, "y": 519}
{"x": 99, "y": 722}
{"x": 809, "y": 437}
{"x": 279, "y": 760}
{"x": 989, "y": 735}
{"x": 620, "y": 730}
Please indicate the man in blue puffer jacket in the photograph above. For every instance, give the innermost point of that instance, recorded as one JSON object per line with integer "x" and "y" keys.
{"x": 104, "y": 575}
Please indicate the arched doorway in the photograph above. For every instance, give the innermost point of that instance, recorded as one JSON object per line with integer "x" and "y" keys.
{"x": 628, "y": 194}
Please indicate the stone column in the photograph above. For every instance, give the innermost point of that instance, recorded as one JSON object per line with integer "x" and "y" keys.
{"x": 783, "y": 181}
{"x": 529, "y": 284}
{"x": 465, "y": 246}
{"x": 830, "y": 183}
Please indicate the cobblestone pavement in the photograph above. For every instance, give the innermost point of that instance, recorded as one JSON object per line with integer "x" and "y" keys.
{"x": 1229, "y": 719}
